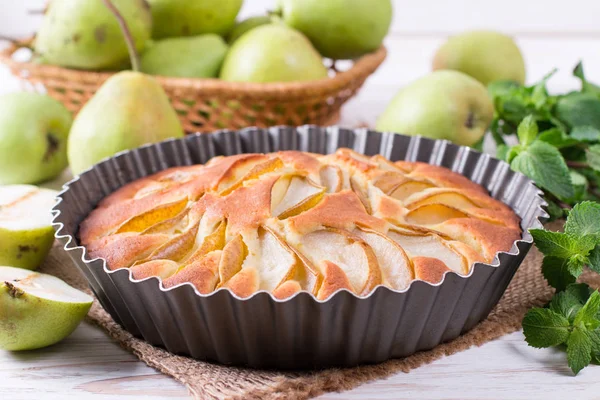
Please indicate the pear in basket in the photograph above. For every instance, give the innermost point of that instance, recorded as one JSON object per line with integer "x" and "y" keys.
{"x": 130, "y": 109}
{"x": 273, "y": 53}
{"x": 192, "y": 17}
{"x": 339, "y": 29}
{"x": 86, "y": 35}
{"x": 179, "y": 57}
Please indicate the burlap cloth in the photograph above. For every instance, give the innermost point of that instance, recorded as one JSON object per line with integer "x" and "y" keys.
{"x": 210, "y": 381}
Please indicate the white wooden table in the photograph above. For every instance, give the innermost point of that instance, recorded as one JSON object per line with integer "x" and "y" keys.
{"x": 551, "y": 33}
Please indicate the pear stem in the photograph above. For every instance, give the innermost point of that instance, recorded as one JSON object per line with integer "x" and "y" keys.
{"x": 133, "y": 54}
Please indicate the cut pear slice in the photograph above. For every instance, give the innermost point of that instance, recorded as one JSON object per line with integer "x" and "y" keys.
{"x": 361, "y": 194}
{"x": 349, "y": 253}
{"x": 407, "y": 189}
{"x": 26, "y": 233}
{"x": 152, "y": 217}
{"x": 211, "y": 242}
{"x": 273, "y": 260}
{"x": 177, "y": 248}
{"x": 429, "y": 246}
{"x": 253, "y": 171}
{"x": 331, "y": 178}
{"x": 447, "y": 198}
{"x": 287, "y": 289}
{"x": 234, "y": 254}
{"x": 433, "y": 214}
{"x": 37, "y": 310}
{"x": 393, "y": 262}
{"x": 301, "y": 195}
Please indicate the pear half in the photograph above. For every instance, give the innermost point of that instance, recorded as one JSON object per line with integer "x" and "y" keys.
{"x": 37, "y": 310}
{"x": 26, "y": 233}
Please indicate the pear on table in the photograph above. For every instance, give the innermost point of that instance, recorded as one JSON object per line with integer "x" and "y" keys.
{"x": 37, "y": 310}
{"x": 33, "y": 138}
{"x": 26, "y": 233}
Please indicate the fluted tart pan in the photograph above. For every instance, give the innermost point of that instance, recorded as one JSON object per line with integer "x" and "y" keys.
{"x": 300, "y": 332}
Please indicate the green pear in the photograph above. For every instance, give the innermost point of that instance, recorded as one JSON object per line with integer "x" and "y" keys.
{"x": 130, "y": 109}
{"x": 340, "y": 29}
{"x": 443, "y": 105}
{"x": 37, "y": 310}
{"x": 485, "y": 55}
{"x": 193, "y": 17}
{"x": 86, "y": 35}
{"x": 26, "y": 233}
{"x": 33, "y": 138}
{"x": 193, "y": 57}
{"x": 273, "y": 53}
{"x": 246, "y": 25}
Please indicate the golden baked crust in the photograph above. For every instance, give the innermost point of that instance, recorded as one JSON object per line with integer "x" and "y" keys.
{"x": 292, "y": 221}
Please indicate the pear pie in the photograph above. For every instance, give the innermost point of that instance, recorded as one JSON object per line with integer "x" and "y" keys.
{"x": 294, "y": 221}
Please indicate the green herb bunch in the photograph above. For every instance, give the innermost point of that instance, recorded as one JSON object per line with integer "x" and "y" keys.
{"x": 559, "y": 149}
{"x": 559, "y": 138}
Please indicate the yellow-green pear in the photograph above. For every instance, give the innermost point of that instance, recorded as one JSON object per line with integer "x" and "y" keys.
{"x": 190, "y": 57}
{"x": 485, "y": 55}
{"x": 272, "y": 53}
{"x": 37, "y": 310}
{"x": 192, "y": 17}
{"x": 340, "y": 29}
{"x": 130, "y": 109}
{"x": 26, "y": 233}
{"x": 85, "y": 34}
{"x": 246, "y": 25}
{"x": 33, "y": 138}
{"x": 442, "y": 105}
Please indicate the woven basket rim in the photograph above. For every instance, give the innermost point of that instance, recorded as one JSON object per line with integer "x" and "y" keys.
{"x": 362, "y": 67}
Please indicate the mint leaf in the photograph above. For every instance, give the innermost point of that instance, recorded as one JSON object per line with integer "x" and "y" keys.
{"x": 592, "y": 154}
{"x": 580, "y": 291}
{"x": 595, "y": 340}
{"x": 502, "y": 88}
{"x": 588, "y": 315}
{"x": 556, "y": 272}
{"x": 594, "y": 259}
{"x": 544, "y": 164}
{"x": 579, "y": 350}
{"x": 527, "y": 130}
{"x": 566, "y": 304}
{"x": 586, "y": 87}
{"x": 580, "y": 186}
{"x": 579, "y": 109}
{"x": 545, "y": 328}
{"x": 575, "y": 264}
{"x": 585, "y": 134}
{"x": 557, "y": 138}
{"x": 584, "y": 219}
{"x": 555, "y": 244}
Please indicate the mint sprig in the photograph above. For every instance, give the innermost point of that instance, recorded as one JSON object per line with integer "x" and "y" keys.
{"x": 558, "y": 138}
{"x": 572, "y": 317}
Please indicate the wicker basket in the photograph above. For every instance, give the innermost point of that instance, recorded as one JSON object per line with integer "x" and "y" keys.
{"x": 205, "y": 105}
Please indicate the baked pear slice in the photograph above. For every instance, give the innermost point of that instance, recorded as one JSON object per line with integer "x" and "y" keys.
{"x": 394, "y": 264}
{"x": 348, "y": 252}
{"x": 300, "y": 195}
{"x": 430, "y": 245}
{"x": 202, "y": 273}
{"x": 272, "y": 258}
{"x": 158, "y": 268}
